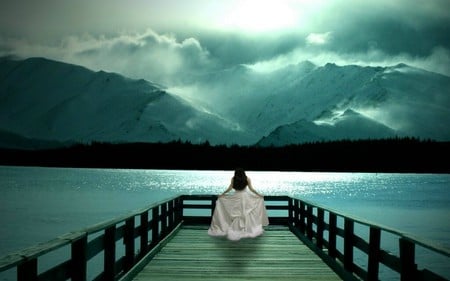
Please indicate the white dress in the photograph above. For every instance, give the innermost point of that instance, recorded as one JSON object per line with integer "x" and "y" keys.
{"x": 239, "y": 215}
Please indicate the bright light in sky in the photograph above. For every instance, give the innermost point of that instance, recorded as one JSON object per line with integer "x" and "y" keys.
{"x": 161, "y": 40}
{"x": 258, "y": 16}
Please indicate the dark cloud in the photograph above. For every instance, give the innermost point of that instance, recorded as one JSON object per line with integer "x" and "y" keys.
{"x": 392, "y": 36}
{"x": 232, "y": 49}
{"x": 183, "y": 38}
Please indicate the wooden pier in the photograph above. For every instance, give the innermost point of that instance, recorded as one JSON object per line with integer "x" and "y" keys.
{"x": 169, "y": 241}
{"x": 277, "y": 255}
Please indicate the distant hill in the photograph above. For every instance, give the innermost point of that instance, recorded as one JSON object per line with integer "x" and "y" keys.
{"x": 364, "y": 103}
{"x": 54, "y": 103}
{"x": 49, "y": 101}
{"x": 351, "y": 126}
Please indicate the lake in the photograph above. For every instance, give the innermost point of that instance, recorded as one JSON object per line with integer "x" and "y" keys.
{"x": 38, "y": 204}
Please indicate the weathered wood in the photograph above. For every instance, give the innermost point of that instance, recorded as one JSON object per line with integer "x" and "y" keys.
{"x": 78, "y": 263}
{"x": 302, "y": 221}
{"x": 171, "y": 215}
{"x": 407, "y": 258}
{"x": 277, "y": 255}
{"x": 309, "y": 221}
{"x": 103, "y": 225}
{"x": 109, "y": 266}
{"x": 332, "y": 232}
{"x": 155, "y": 225}
{"x": 163, "y": 220}
{"x": 144, "y": 233}
{"x": 374, "y": 254}
{"x": 290, "y": 211}
{"x": 10, "y": 261}
{"x": 320, "y": 227}
{"x": 305, "y": 219}
{"x": 348, "y": 244}
{"x": 128, "y": 240}
{"x": 296, "y": 218}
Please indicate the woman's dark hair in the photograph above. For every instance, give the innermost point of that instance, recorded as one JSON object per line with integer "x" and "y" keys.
{"x": 239, "y": 179}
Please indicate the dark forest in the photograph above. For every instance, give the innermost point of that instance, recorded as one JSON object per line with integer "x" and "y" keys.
{"x": 399, "y": 155}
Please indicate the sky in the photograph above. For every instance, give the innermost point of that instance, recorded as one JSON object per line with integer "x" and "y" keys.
{"x": 167, "y": 41}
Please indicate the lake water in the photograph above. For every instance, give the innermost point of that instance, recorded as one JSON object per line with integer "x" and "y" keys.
{"x": 38, "y": 204}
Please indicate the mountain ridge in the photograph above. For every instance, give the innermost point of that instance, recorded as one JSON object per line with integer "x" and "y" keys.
{"x": 64, "y": 103}
{"x": 52, "y": 101}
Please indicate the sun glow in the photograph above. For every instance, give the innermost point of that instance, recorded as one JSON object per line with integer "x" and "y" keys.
{"x": 258, "y": 16}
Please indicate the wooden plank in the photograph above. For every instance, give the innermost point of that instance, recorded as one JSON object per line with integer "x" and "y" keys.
{"x": 277, "y": 255}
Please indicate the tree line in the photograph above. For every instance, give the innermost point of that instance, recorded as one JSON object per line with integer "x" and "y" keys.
{"x": 399, "y": 155}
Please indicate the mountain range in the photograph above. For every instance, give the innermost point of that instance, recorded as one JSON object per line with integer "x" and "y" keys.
{"x": 46, "y": 103}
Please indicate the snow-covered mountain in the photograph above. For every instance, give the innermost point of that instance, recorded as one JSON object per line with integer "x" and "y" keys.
{"x": 305, "y": 102}
{"x": 52, "y": 101}
{"x": 383, "y": 102}
{"x": 349, "y": 125}
{"x": 55, "y": 102}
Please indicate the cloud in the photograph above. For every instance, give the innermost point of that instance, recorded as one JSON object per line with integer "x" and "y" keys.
{"x": 160, "y": 58}
{"x": 358, "y": 32}
{"x": 318, "y": 38}
{"x": 437, "y": 61}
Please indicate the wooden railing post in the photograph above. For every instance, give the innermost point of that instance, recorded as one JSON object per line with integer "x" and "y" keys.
{"x": 349, "y": 226}
{"x": 28, "y": 271}
{"x": 144, "y": 233}
{"x": 155, "y": 225}
{"x": 110, "y": 253}
{"x": 165, "y": 216}
{"x": 309, "y": 221}
{"x": 79, "y": 259}
{"x": 290, "y": 211}
{"x": 320, "y": 227}
{"x": 163, "y": 219}
{"x": 179, "y": 209}
{"x": 171, "y": 215}
{"x": 302, "y": 225}
{"x": 128, "y": 240}
{"x": 296, "y": 212}
{"x": 374, "y": 254}
{"x": 332, "y": 233}
{"x": 407, "y": 259}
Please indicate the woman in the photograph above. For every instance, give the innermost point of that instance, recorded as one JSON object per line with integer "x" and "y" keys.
{"x": 239, "y": 215}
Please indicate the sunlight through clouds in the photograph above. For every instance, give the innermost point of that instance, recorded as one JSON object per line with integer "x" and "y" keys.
{"x": 289, "y": 62}
{"x": 193, "y": 34}
{"x": 253, "y": 16}
{"x": 318, "y": 38}
{"x": 259, "y": 16}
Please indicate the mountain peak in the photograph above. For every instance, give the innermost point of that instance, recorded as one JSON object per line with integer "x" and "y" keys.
{"x": 55, "y": 101}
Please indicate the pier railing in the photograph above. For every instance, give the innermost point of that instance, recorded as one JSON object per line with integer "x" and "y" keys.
{"x": 136, "y": 234}
{"x": 121, "y": 243}
{"x": 321, "y": 228}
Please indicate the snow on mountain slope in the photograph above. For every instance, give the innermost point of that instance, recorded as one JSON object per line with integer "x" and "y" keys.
{"x": 416, "y": 102}
{"x": 351, "y": 125}
{"x": 402, "y": 100}
{"x": 48, "y": 100}
{"x": 408, "y": 100}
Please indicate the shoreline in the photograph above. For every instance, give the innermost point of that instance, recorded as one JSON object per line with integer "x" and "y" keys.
{"x": 374, "y": 156}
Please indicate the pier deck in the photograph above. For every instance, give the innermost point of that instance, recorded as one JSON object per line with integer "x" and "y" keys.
{"x": 168, "y": 241}
{"x": 277, "y": 255}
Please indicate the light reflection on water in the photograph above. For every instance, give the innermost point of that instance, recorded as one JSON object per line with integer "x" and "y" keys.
{"x": 59, "y": 200}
